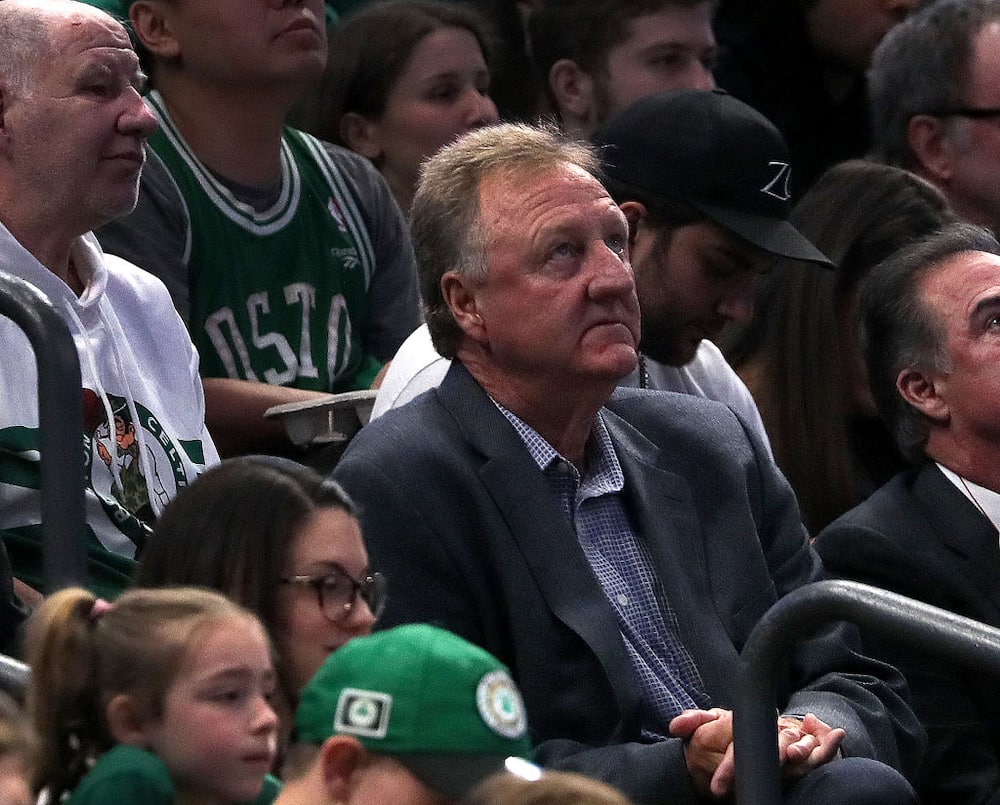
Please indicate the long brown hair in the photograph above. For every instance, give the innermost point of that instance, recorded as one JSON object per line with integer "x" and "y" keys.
{"x": 794, "y": 353}
{"x": 233, "y": 529}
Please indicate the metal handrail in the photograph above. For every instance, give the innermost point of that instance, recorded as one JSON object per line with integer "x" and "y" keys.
{"x": 60, "y": 424}
{"x": 887, "y": 614}
{"x": 14, "y": 676}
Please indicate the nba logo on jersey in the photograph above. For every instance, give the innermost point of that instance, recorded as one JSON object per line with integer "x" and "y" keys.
{"x": 336, "y": 214}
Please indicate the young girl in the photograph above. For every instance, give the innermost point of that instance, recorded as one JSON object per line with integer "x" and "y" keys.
{"x": 160, "y": 697}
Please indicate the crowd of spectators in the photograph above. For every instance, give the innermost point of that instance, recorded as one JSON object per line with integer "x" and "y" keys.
{"x": 669, "y": 309}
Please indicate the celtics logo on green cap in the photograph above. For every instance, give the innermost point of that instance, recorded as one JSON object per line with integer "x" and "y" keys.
{"x": 500, "y": 706}
{"x": 362, "y": 712}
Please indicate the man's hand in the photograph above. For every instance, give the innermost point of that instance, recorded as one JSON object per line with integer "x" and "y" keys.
{"x": 708, "y": 743}
{"x": 804, "y": 745}
{"x": 708, "y": 750}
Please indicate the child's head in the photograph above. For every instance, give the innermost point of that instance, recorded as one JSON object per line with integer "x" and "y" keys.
{"x": 547, "y": 788}
{"x": 182, "y": 672}
{"x": 412, "y": 714}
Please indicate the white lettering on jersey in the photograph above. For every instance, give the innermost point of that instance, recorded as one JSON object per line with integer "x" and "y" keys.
{"x": 304, "y": 294}
{"x": 338, "y": 312}
{"x": 214, "y": 327}
{"x": 258, "y": 302}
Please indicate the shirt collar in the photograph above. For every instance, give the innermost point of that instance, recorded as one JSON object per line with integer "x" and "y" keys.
{"x": 985, "y": 500}
{"x": 603, "y": 469}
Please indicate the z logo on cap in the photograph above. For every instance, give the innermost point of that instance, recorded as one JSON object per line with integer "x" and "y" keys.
{"x": 780, "y": 185}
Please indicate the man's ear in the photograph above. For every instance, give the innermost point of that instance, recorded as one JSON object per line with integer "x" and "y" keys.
{"x": 573, "y": 90}
{"x": 152, "y": 22}
{"x": 361, "y": 135}
{"x": 929, "y": 141}
{"x": 125, "y": 720}
{"x": 340, "y": 758}
{"x": 634, "y": 212}
{"x": 923, "y": 392}
{"x": 459, "y": 293}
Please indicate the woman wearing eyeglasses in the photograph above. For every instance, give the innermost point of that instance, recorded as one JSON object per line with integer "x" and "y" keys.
{"x": 282, "y": 541}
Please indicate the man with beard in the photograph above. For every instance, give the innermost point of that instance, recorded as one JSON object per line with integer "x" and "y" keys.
{"x": 596, "y": 57}
{"x": 703, "y": 180}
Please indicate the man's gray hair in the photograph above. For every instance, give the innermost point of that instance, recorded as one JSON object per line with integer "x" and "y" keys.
{"x": 444, "y": 217}
{"x": 922, "y": 66}
{"x": 900, "y": 331}
{"x": 24, "y": 43}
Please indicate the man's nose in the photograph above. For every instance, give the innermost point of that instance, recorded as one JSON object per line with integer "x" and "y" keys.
{"x": 481, "y": 110}
{"x": 698, "y": 76}
{"x": 611, "y": 274}
{"x": 137, "y": 120}
{"x": 736, "y": 304}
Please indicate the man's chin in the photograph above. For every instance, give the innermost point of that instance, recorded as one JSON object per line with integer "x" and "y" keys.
{"x": 611, "y": 366}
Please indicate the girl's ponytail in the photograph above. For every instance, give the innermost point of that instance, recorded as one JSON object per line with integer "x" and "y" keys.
{"x": 64, "y": 697}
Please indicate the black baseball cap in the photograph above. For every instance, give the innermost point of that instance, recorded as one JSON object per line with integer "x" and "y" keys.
{"x": 715, "y": 153}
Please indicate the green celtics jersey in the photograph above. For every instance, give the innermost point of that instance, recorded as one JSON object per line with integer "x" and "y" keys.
{"x": 277, "y": 295}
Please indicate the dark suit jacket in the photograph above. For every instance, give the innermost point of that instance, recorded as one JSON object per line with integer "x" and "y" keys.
{"x": 920, "y": 536}
{"x": 457, "y": 514}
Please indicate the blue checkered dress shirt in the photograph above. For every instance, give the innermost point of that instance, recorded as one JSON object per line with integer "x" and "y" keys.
{"x": 593, "y": 504}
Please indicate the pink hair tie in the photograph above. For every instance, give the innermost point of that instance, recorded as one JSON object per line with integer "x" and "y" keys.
{"x": 100, "y": 606}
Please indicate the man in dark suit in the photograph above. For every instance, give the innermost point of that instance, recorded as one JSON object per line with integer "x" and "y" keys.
{"x": 932, "y": 339}
{"x": 613, "y": 548}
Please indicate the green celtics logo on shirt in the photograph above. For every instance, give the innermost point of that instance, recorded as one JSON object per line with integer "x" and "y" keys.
{"x": 128, "y": 472}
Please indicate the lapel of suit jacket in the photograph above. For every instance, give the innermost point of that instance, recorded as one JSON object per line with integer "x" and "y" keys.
{"x": 963, "y": 528}
{"x": 665, "y": 519}
{"x": 542, "y": 533}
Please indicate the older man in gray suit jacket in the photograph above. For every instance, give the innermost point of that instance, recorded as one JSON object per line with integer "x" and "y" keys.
{"x": 613, "y": 548}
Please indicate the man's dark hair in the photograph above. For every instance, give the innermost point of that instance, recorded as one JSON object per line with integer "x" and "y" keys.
{"x": 584, "y": 31}
{"x": 664, "y": 212}
{"x": 899, "y": 330}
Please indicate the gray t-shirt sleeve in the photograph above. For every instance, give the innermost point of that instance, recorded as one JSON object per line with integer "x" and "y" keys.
{"x": 156, "y": 235}
{"x": 394, "y": 295}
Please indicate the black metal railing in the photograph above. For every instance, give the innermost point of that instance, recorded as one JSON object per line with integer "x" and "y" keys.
{"x": 60, "y": 417}
{"x": 798, "y": 614}
{"x": 14, "y": 676}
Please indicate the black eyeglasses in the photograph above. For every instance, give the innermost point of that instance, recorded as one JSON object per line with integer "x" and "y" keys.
{"x": 337, "y": 592}
{"x": 972, "y": 112}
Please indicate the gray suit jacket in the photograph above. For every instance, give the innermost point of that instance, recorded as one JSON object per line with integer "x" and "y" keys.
{"x": 457, "y": 514}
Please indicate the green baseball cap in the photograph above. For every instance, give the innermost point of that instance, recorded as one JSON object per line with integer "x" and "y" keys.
{"x": 445, "y": 708}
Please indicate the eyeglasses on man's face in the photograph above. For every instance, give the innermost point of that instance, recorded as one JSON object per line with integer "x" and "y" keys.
{"x": 337, "y": 592}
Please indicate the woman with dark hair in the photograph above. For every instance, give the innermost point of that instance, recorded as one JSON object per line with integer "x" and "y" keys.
{"x": 402, "y": 79}
{"x": 799, "y": 355}
{"x": 283, "y": 542}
